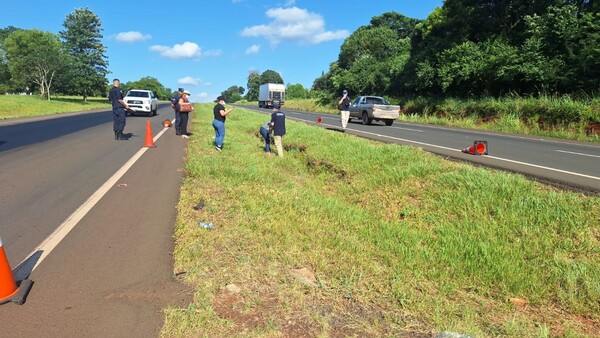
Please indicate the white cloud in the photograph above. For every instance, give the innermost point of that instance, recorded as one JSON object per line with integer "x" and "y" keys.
{"x": 253, "y": 49}
{"x": 294, "y": 24}
{"x": 191, "y": 81}
{"x": 186, "y": 50}
{"x": 132, "y": 37}
{"x": 290, "y": 3}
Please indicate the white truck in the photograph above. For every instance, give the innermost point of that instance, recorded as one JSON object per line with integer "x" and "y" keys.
{"x": 271, "y": 93}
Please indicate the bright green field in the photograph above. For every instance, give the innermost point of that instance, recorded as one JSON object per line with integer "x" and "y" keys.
{"x": 401, "y": 242}
{"x": 13, "y": 106}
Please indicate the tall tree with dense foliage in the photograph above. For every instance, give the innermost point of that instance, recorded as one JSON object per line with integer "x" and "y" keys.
{"x": 34, "y": 58}
{"x": 149, "y": 83}
{"x": 81, "y": 36}
{"x": 270, "y": 76}
{"x": 5, "y": 83}
{"x": 253, "y": 86}
{"x": 233, "y": 93}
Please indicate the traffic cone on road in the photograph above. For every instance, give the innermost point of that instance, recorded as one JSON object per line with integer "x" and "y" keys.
{"x": 166, "y": 123}
{"x": 478, "y": 148}
{"x": 319, "y": 119}
{"x": 9, "y": 292}
{"x": 149, "y": 138}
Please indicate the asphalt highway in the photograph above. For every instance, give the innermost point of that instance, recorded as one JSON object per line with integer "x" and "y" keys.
{"x": 566, "y": 164}
{"x": 90, "y": 221}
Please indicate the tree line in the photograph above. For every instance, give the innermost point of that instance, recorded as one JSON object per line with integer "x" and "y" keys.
{"x": 72, "y": 62}
{"x": 474, "y": 48}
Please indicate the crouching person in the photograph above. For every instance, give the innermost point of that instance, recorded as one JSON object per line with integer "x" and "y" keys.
{"x": 265, "y": 131}
{"x": 278, "y": 126}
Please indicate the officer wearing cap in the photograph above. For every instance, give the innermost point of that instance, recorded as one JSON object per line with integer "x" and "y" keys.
{"x": 119, "y": 106}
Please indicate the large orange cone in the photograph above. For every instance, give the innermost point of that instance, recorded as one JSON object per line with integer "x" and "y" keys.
{"x": 149, "y": 138}
{"x": 9, "y": 292}
{"x": 478, "y": 148}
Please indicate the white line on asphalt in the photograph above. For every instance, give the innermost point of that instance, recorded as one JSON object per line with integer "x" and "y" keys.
{"x": 417, "y": 130}
{"x": 457, "y": 150}
{"x": 48, "y": 244}
{"x": 574, "y": 153}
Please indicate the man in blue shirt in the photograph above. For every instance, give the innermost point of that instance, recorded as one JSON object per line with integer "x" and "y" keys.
{"x": 119, "y": 106}
{"x": 278, "y": 125}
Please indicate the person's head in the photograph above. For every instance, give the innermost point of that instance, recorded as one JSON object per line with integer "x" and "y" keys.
{"x": 276, "y": 106}
{"x": 186, "y": 93}
{"x": 180, "y": 91}
{"x": 221, "y": 99}
{"x": 344, "y": 92}
{"x": 116, "y": 82}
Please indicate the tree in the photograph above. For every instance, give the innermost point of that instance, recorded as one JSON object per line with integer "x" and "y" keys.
{"x": 253, "y": 86}
{"x": 5, "y": 84}
{"x": 34, "y": 58}
{"x": 296, "y": 91}
{"x": 402, "y": 25}
{"x": 82, "y": 36}
{"x": 270, "y": 76}
{"x": 149, "y": 83}
{"x": 233, "y": 93}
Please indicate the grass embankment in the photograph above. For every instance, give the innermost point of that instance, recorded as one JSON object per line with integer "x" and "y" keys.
{"x": 399, "y": 241}
{"x": 561, "y": 117}
{"x": 14, "y": 106}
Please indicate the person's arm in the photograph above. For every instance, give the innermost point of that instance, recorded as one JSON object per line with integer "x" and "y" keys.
{"x": 122, "y": 102}
{"x": 226, "y": 111}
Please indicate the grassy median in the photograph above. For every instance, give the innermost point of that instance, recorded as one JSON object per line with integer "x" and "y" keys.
{"x": 346, "y": 237}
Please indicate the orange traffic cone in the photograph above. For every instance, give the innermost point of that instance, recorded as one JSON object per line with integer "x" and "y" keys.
{"x": 149, "y": 138}
{"x": 166, "y": 123}
{"x": 478, "y": 148}
{"x": 9, "y": 292}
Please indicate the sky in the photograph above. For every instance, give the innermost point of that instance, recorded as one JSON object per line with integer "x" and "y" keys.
{"x": 209, "y": 46}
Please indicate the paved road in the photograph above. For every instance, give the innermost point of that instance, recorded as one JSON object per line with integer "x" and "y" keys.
{"x": 112, "y": 273}
{"x": 571, "y": 164}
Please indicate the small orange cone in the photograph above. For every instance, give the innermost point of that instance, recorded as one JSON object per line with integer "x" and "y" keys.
{"x": 9, "y": 292}
{"x": 149, "y": 138}
{"x": 319, "y": 119}
{"x": 478, "y": 148}
{"x": 166, "y": 123}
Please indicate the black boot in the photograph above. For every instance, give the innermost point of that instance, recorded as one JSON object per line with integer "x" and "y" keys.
{"x": 116, "y": 135}
{"x": 177, "y": 131}
{"x": 121, "y": 137}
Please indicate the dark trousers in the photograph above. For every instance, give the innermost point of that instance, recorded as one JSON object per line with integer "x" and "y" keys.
{"x": 119, "y": 116}
{"x": 177, "y": 119}
{"x": 184, "y": 122}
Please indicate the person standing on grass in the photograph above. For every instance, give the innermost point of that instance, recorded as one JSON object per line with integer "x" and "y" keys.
{"x": 119, "y": 106}
{"x": 344, "y": 107}
{"x": 184, "y": 115}
{"x": 220, "y": 114}
{"x": 175, "y": 105}
{"x": 265, "y": 131}
{"x": 278, "y": 125}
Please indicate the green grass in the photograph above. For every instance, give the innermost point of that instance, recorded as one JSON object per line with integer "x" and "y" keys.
{"x": 400, "y": 242}
{"x": 14, "y": 106}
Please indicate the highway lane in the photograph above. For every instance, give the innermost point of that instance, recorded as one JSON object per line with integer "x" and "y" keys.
{"x": 50, "y": 165}
{"x": 111, "y": 273}
{"x": 571, "y": 164}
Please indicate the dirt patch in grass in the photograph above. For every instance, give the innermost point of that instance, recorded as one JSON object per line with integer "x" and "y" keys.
{"x": 322, "y": 165}
{"x": 295, "y": 147}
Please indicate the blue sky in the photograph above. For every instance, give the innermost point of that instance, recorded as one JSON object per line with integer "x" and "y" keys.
{"x": 208, "y": 46}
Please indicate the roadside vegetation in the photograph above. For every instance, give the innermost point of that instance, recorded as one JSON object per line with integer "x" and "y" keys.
{"x": 14, "y": 106}
{"x": 350, "y": 237}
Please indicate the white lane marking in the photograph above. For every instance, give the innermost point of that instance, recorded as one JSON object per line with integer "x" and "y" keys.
{"x": 574, "y": 153}
{"x": 456, "y": 150}
{"x": 417, "y": 130}
{"x": 69, "y": 224}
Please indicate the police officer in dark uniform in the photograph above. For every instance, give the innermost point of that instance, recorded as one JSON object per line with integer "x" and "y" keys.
{"x": 175, "y": 105}
{"x": 119, "y": 106}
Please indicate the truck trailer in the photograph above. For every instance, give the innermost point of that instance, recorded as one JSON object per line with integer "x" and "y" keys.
{"x": 271, "y": 93}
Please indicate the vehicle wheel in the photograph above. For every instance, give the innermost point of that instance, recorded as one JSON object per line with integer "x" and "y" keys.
{"x": 154, "y": 111}
{"x": 389, "y": 122}
{"x": 365, "y": 119}
{"x": 150, "y": 113}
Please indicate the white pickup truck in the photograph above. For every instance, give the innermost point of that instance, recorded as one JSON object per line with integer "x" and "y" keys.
{"x": 369, "y": 108}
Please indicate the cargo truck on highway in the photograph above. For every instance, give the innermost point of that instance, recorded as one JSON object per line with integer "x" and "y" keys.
{"x": 271, "y": 93}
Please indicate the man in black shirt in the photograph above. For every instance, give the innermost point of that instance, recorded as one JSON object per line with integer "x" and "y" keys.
{"x": 344, "y": 106}
{"x": 278, "y": 124}
{"x": 119, "y": 106}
